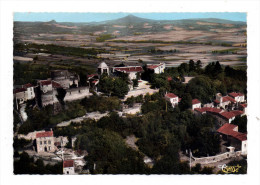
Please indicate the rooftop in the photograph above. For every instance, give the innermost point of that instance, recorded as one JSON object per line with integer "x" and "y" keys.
{"x": 228, "y": 129}
{"x": 44, "y": 134}
{"x": 195, "y": 101}
{"x": 68, "y": 163}
{"x": 171, "y": 95}
{"x": 234, "y": 94}
{"x": 129, "y": 69}
{"x": 231, "y": 114}
{"x": 208, "y": 109}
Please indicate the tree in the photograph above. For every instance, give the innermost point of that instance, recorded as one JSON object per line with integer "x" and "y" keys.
{"x": 120, "y": 88}
{"x": 191, "y": 65}
{"x": 106, "y": 84}
{"x": 61, "y": 95}
{"x": 241, "y": 122}
{"x": 135, "y": 82}
{"x": 185, "y": 102}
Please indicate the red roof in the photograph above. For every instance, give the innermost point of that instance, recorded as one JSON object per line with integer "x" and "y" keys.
{"x": 171, "y": 95}
{"x": 231, "y": 114}
{"x": 129, "y": 69}
{"x": 169, "y": 78}
{"x": 152, "y": 66}
{"x": 92, "y": 75}
{"x": 228, "y": 129}
{"x": 208, "y": 109}
{"x": 45, "y": 82}
{"x": 195, "y": 101}
{"x": 19, "y": 90}
{"x": 243, "y": 105}
{"x": 55, "y": 84}
{"x": 27, "y": 85}
{"x": 216, "y": 101}
{"x": 228, "y": 98}
{"x": 68, "y": 163}
{"x": 233, "y": 94}
{"x": 44, "y": 134}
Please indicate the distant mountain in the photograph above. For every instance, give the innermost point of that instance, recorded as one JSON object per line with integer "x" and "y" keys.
{"x": 130, "y": 19}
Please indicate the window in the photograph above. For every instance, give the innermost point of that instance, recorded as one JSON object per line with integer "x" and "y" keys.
{"x": 45, "y": 142}
{"x": 49, "y": 142}
{"x": 40, "y": 142}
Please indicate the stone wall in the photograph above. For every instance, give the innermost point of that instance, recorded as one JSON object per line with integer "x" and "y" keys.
{"x": 216, "y": 158}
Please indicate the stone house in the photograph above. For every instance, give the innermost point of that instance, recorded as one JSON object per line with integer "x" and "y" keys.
{"x": 65, "y": 78}
{"x": 132, "y": 71}
{"x": 45, "y": 142}
{"x": 230, "y": 134}
{"x": 228, "y": 117}
{"x": 195, "y": 104}
{"x": 68, "y": 167}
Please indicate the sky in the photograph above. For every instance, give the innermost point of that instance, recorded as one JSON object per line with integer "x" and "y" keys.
{"x": 97, "y": 17}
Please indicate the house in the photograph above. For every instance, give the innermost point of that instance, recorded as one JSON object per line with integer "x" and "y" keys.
{"x": 156, "y": 68}
{"x": 132, "y": 71}
{"x": 229, "y": 133}
{"x": 26, "y": 92}
{"x": 48, "y": 85}
{"x": 103, "y": 69}
{"x": 228, "y": 117}
{"x": 68, "y": 167}
{"x": 239, "y": 97}
{"x": 224, "y": 102}
{"x": 195, "y": 104}
{"x": 45, "y": 142}
{"x": 172, "y": 98}
{"x": 65, "y": 78}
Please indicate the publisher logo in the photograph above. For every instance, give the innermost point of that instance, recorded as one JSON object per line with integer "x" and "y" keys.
{"x": 229, "y": 169}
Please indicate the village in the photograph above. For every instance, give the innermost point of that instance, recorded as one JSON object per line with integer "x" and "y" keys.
{"x": 63, "y": 87}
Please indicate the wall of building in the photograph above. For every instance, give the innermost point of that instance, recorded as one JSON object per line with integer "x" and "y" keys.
{"x": 196, "y": 106}
{"x": 45, "y": 144}
{"x": 68, "y": 171}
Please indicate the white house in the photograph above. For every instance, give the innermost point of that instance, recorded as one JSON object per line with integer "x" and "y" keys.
{"x": 68, "y": 167}
{"x": 26, "y": 92}
{"x": 172, "y": 98}
{"x": 157, "y": 68}
{"x": 195, "y": 104}
{"x": 224, "y": 101}
{"x": 239, "y": 97}
{"x": 229, "y": 132}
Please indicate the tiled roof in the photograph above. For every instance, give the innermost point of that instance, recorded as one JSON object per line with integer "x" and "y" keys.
{"x": 171, "y": 95}
{"x": 216, "y": 101}
{"x": 152, "y": 66}
{"x": 228, "y": 98}
{"x": 19, "y": 90}
{"x": 169, "y": 78}
{"x": 195, "y": 101}
{"x": 27, "y": 85}
{"x": 55, "y": 84}
{"x": 44, "y": 134}
{"x": 68, "y": 163}
{"x": 243, "y": 105}
{"x": 228, "y": 129}
{"x": 233, "y": 94}
{"x": 208, "y": 109}
{"x": 45, "y": 82}
{"x": 231, "y": 114}
{"x": 129, "y": 69}
{"x": 92, "y": 75}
